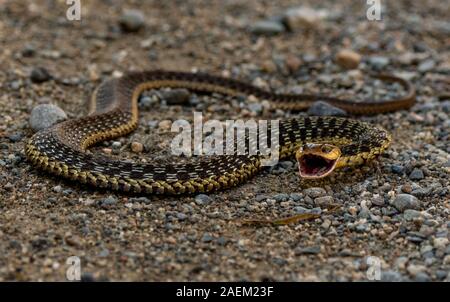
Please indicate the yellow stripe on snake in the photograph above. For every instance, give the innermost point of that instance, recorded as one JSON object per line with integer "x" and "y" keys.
{"x": 320, "y": 144}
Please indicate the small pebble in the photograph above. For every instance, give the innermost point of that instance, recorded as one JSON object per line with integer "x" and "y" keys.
{"x": 147, "y": 102}
{"x": 323, "y": 201}
{"x": 391, "y": 276}
{"x": 310, "y": 250}
{"x": 348, "y": 59}
{"x": 293, "y": 63}
{"x": 315, "y": 192}
{"x": 207, "y": 237}
{"x": 109, "y": 201}
{"x": 40, "y": 75}
{"x": 426, "y": 65}
{"x": 132, "y": 20}
{"x": 137, "y": 147}
{"x": 300, "y": 210}
{"x": 28, "y": 51}
{"x": 16, "y": 137}
{"x": 422, "y": 277}
{"x": 378, "y": 63}
{"x": 397, "y": 169}
{"x": 267, "y": 28}
{"x": 321, "y": 108}
{"x": 410, "y": 214}
{"x": 416, "y": 174}
{"x": 281, "y": 197}
{"x": 304, "y": 17}
{"x": 202, "y": 199}
{"x": 57, "y": 189}
{"x": 405, "y": 201}
{"x": 175, "y": 96}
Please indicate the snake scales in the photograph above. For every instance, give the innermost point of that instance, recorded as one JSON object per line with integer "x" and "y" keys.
{"x": 60, "y": 149}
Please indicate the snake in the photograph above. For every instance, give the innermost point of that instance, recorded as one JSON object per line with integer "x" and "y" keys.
{"x": 319, "y": 143}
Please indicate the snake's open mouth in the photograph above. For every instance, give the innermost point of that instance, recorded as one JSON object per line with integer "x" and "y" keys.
{"x": 315, "y": 166}
{"x": 317, "y": 160}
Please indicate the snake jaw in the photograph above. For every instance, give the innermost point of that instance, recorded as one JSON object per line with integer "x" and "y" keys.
{"x": 317, "y": 160}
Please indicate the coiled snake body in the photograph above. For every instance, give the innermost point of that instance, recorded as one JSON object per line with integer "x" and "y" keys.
{"x": 61, "y": 149}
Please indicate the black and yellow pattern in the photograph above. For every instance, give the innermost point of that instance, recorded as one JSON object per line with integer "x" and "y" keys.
{"x": 61, "y": 149}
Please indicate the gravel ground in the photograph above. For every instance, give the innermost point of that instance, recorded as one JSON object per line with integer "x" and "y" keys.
{"x": 397, "y": 209}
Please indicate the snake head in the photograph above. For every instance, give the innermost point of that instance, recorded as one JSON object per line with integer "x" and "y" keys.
{"x": 317, "y": 160}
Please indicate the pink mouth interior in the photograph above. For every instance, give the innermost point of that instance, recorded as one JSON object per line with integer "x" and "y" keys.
{"x": 315, "y": 166}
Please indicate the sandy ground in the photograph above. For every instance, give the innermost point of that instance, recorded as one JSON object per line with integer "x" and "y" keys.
{"x": 44, "y": 220}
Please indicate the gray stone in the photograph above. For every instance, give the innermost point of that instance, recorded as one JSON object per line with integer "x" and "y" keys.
{"x": 267, "y": 28}
{"x": 296, "y": 196}
{"x": 104, "y": 253}
{"x": 321, "y": 108}
{"x": 397, "y": 169}
{"x": 279, "y": 261}
{"x": 28, "y": 50}
{"x": 287, "y": 164}
{"x": 46, "y": 115}
{"x": 140, "y": 199}
{"x": 421, "y": 192}
{"x": 405, "y": 201}
{"x": 310, "y": 250}
{"x": 301, "y": 210}
{"x": 364, "y": 213}
{"x": 67, "y": 192}
{"x": 315, "y": 192}
{"x": 255, "y": 107}
{"x": 221, "y": 240}
{"x": 378, "y": 62}
{"x": 391, "y": 276}
{"x": 152, "y": 124}
{"x": 362, "y": 228}
{"x": 132, "y": 20}
{"x": 281, "y": 167}
{"x": 40, "y": 75}
{"x": 426, "y": 65}
{"x": 422, "y": 277}
{"x": 175, "y": 96}
{"x": 116, "y": 145}
{"x": 15, "y": 137}
{"x": 207, "y": 237}
{"x": 147, "y": 102}
{"x": 317, "y": 211}
{"x": 9, "y": 186}
{"x": 304, "y": 17}
{"x": 410, "y": 214}
{"x": 57, "y": 189}
{"x": 260, "y": 197}
{"x": 202, "y": 199}
{"x": 15, "y": 85}
{"x": 281, "y": 197}
{"x": 416, "y": 174}
{"x": 441, "y": 274}
{"x": 181, "y": 216}
{"x": 323, "y": 201}
{"x": 109, "y": 201}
